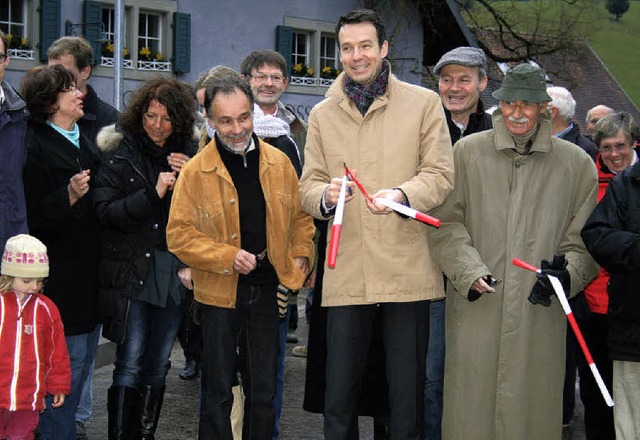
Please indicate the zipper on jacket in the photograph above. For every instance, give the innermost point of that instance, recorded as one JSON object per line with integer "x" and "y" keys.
{"x": 16, "y": 354}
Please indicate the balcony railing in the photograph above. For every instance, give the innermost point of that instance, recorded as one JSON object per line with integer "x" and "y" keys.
{"x": 22, "y": 54}
{"x": 108, "y": 62}
{"x": 307, "y": 81}
{"x": 164, "y": 66}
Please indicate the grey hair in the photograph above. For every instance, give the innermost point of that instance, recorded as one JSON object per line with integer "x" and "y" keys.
{"x": 562, "y": 99}
{"x": 610, "y": 125}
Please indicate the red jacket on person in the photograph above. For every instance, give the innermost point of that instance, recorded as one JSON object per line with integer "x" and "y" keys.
{"x": 596, "y": 290}
{"x": 34, "y": 360}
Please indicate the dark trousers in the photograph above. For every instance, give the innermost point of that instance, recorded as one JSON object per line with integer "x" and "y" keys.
{"x": 598, "y": 417}
{"x": 252, "y": 327}
{"x": 190, "y": 334}
{"x": 405, "y": 328}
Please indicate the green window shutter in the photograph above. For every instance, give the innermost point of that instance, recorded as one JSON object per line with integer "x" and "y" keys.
{"x": 92, "y": 28}
{"x": 181, "y": 42}
{"x": 284, "y": 43}
{"x": 49, "y": 25}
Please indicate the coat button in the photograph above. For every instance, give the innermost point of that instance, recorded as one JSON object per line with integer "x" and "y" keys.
{"x": 155, "y": 226}
{"x": 141, "y": 282}
{"x": 232, "y": 201}
{"x": 147, "y": 255}
{"x": 234, "y": 236}
{"x": 225, "y": 271}
{"x": 132, "y": 180}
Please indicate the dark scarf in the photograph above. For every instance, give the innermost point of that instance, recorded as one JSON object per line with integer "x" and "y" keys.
{"x": 364, "y": 95}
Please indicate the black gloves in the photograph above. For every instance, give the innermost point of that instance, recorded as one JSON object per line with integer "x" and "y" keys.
{"x": 542, "y": 289}
{"x": 283, "y": 301}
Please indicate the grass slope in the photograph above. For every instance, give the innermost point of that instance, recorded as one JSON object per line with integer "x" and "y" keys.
{"x": 617, "y": 43}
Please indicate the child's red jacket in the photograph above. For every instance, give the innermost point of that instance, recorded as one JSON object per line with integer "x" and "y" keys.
{"x": 33, "y": 353}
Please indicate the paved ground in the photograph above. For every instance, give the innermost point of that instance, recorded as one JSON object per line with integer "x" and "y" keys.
{"x": 179, "y": 417}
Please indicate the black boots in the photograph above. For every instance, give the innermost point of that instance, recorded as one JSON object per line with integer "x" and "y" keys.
{"x": 150, "y": 405}
{"x": 121, "y": 404}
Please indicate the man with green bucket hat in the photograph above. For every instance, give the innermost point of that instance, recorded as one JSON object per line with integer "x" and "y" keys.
{"x": 521, "y": 193}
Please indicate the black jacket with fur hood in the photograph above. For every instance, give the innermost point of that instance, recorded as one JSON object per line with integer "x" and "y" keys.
{"x": 134, "y": 218}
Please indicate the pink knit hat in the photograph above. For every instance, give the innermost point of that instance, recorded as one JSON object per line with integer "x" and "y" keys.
{"x": 26, "y": 257}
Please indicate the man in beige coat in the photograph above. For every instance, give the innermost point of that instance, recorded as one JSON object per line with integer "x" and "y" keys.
{"x": 396, "y": 136}
{"x": 519, "y": 193}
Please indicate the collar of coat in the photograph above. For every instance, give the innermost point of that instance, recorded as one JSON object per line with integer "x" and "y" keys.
{"x": 211, "y": 160}
{"x": 337, "y": 91}
{"x": 109, "y": 138}
{"x": 504, "y": 140}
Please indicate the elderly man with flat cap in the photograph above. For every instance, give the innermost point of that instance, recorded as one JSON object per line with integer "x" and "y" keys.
{"x": 521, "y": 193}
{"x": 462, "y": 76}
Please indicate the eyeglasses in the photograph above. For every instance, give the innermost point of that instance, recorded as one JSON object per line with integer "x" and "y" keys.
{"x": 70, "y": 89}
{"x": 262, "y": 78}
{"x": 3, "y": 58}
{"x": 619, "y": 148}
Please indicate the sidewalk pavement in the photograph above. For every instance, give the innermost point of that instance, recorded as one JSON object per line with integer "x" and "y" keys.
{"x": 179, "y": 417}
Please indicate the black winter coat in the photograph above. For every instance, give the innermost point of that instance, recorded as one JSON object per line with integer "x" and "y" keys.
{"x": 587, "y": 145}
{"x": 71, "y": 233}
{"x": 612, "y": 236}
{"x": 133, "y": 216}
{"x": 478, "y": 121}
{"x": 97, "y": 115}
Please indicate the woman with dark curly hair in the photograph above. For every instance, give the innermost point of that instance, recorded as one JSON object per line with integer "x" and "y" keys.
{"x": 142, "y": 285}
{"x": 59, "y": 191}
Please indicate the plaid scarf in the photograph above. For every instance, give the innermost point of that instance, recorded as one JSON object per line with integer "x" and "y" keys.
{"x": 363, "y": 96}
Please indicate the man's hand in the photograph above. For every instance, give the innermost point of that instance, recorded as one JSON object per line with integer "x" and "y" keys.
{"x": 303, "y": 264}
{"x": 392, "y": 194}
{"x": 244, "y": 262}
{"x": 542, "y": 289}
{"x": 479, "y": 287}
{"x": 185, "y": 277}
{"x": 332, "y": 192}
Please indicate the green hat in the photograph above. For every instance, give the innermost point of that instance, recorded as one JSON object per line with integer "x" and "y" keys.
{"x": 523, "y": 82}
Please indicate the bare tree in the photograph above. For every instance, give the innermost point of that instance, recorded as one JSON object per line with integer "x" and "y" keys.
{"x": 524, "y": 37}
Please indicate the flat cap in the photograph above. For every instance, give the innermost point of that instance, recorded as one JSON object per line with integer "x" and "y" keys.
{"x": 463, "y": 56}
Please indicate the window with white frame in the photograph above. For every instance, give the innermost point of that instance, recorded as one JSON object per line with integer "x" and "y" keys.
{"x": 150, "y": 32}
{"x": 328, "y": 51}
{"x": 13, "y": 22}
{"x": 147, "y": 33}
{"x": 13, "y": 15}
{"x": 314, "y": 52}
{"x": 108, "y": 21}
{"x": 300, "y": 48}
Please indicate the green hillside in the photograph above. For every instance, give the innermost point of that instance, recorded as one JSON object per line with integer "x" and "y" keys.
{"x": 617, "y": 43}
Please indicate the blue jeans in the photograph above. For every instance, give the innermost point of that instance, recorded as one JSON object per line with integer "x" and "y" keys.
{"x": 435, "y": 372}
{"x": 83, "y": 413}
{"x": 143, "y": 357}
{"x": 60, "y": 423}
{"x": 251, "y": 327}
{"x": 283, "y": 327}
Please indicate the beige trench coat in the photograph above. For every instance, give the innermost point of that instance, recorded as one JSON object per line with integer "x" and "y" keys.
{"x": 504, "y": 365}
{"x": 401, "y": 142}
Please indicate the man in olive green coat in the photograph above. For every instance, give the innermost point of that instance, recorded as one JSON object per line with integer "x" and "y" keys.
{"x": 518, "y": 193}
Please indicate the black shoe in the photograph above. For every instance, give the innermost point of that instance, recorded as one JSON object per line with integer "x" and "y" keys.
{"x": 191, "y": 370}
